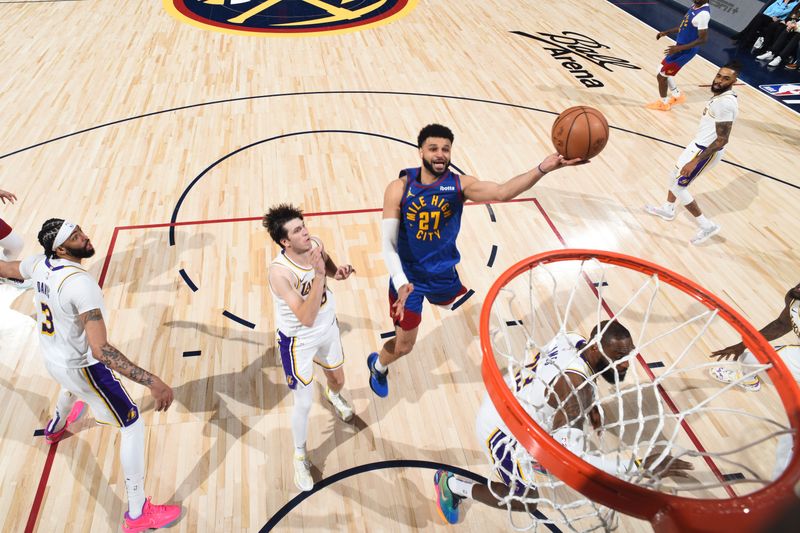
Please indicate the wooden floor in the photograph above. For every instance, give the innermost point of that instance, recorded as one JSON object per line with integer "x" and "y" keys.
{"x": 151, "y": 108}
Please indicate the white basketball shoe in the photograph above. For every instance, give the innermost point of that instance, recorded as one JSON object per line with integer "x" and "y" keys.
{"x": 725, "y": 374}
{"x": 302, "y": 473}
{"x": 340, "y": 405}
{"x": 666, "y": 214}
{"x": 705, "y": 233}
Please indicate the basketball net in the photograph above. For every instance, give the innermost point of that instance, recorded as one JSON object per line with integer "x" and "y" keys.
{"x": 667, "y": 407}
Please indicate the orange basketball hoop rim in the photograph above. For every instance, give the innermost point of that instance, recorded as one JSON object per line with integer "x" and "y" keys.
{"x": 666, "y": 512}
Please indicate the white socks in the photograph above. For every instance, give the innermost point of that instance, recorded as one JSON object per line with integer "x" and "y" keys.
{"x": 460, "y": 487}
{"x": 63, "y": 406}
{"x": 673, "y": 86}
{"x": 379, "y": 367}
{"x": 131, "y": 456}
{"x": 704, "y": 222}
{"x": 303, "y": 396}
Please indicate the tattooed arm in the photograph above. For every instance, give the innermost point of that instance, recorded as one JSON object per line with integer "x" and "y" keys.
{"x": 110, "y": 356}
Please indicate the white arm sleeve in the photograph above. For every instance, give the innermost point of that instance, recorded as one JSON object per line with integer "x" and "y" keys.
{"x": 574, "y": 440}
{"x": 391, "y": 227}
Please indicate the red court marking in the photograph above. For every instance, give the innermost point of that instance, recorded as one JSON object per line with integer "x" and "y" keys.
{"x": 662, "y": 392}
{"x": 37, "y": 500}
{"x": 48, "y": 464}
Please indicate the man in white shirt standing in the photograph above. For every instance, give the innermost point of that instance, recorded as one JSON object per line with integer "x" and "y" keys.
{"x": 77, "y": 354}
{"x": 703, "y": 152}
{"x": 305, "y": 319}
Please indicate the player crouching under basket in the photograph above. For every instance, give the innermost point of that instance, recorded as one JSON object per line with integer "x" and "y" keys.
{"x": 559, "y": 392}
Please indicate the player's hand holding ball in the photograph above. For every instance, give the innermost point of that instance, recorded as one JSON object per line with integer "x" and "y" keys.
{"x": 579, "y": 133}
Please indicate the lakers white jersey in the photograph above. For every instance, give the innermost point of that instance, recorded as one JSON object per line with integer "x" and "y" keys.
{"x": 721, "y": 108}
{"x": 285, "y": 319}
{"x": 535, "y": 383}
{"x": 63, "y": 290}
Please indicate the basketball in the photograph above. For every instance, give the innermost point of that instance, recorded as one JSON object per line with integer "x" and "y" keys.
{"x": 580, "y": 132}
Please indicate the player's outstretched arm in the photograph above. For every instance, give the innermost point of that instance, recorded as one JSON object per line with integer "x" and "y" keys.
{"x": 10, "y": 269}
{"x": 661, "y": 34}
{"x": 490, "y": 191}
{"x": 573, "y": 399}
{"x": 103, "y": 351}
{"x": 774, "y": 330}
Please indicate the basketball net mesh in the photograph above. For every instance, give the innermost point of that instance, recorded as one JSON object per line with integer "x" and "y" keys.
{"x": 676, "y": 410}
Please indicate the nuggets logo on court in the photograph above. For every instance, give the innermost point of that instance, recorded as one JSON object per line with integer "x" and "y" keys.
{"x": 288, "y": 17}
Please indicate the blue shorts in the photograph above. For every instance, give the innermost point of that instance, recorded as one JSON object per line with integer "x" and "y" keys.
{"x": 674, "y": 62}
{"x": 442, "y": 289}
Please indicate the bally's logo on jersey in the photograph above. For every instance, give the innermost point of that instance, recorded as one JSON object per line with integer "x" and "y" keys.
{"x": 288, "y": 17}
{"x": 568, "y": 47}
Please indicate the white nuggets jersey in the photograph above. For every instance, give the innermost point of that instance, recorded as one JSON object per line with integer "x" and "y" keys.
{"x": 63, "y": 291}
{"x": 721, "y": 108}
{"x": 285, "y": 320}
{"x": 559, "y": 356}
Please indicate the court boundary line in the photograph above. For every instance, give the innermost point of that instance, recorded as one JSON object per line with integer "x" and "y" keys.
{"x": 382, "y": 93}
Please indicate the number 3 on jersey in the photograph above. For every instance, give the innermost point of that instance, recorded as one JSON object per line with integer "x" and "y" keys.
{"x": 47, "y": 323}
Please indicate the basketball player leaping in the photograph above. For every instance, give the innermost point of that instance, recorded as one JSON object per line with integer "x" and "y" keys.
{"x": 305, "y": 317}
{"x": 788, "y": 320}
{"x": 421, "y": 220}
{"x": 11, "y": 243}
{"x": 703, "y": 152}
{"x": 564, "y": 373}
{"x": 78, "y": 355}
{"x": 692, "y": 32}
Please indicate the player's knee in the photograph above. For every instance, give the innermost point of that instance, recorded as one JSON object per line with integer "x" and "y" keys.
{"x": 303, "y": 398}
{"x": 335, "y": 380}
{"x": 682, "y": 194}
{"x": 403, "y": 347}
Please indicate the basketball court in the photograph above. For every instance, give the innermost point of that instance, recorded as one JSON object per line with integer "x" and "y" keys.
{"x": 167, "y": 139}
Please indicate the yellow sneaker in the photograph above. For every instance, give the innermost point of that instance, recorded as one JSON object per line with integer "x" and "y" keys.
{"x": 658, "y": 105}
{"x": 677, "y": 101}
